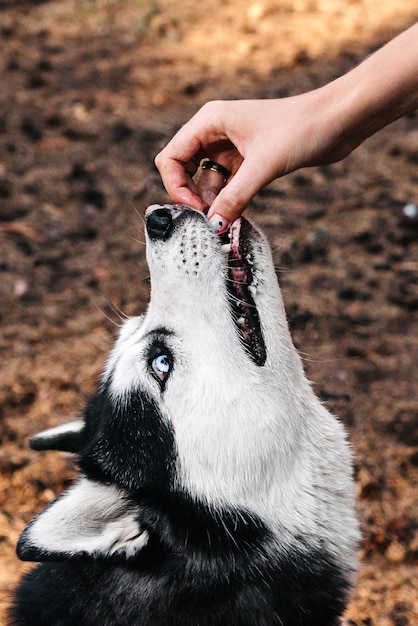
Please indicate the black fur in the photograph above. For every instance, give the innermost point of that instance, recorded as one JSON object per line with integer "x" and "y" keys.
{"x": 67, "y": 442}
{"x": 202, "y": 566}
{"x": 134, "y": 430}
{"x": 168, "y": 586}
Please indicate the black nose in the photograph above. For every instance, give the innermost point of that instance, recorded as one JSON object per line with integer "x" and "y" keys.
{"x": 159, "y": 223}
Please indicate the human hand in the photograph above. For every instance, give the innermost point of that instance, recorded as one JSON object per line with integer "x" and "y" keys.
{"x": 256, "y": 140}
{"x": 260, "y": 140}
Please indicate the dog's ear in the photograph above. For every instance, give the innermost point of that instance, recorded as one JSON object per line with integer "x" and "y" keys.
{"x": 90, "y": 519}
{"x": 67, "y": 437}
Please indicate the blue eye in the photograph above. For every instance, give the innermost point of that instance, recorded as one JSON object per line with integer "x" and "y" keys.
{"x": 161, "y": 365}
{"x": 160, "y": 362}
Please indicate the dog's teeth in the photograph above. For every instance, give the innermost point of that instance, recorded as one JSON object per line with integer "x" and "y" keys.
{"x": 241, "y": 321}
{"x": 226, "y": 248}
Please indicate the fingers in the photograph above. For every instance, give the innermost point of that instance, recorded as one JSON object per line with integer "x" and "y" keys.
{"x": 208, "y": 189}
{"x": 212, "y": 134}
{"x": 178, "y": 162}
{"x": 234, "y": 198}
{"x": 178, "y": 181}
{"x": 209, "y": 180}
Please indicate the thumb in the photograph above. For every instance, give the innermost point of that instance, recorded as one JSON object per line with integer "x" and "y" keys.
{"x": 234, "y": 198}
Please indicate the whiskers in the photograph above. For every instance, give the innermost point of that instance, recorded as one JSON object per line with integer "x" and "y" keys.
{"x": 141, "y": 229}
{"x": 239, "y": 301}
{"x": 140, "y": 241}
{"x": 237, "y": 282}
{"x": 120, "y": 315}
{"x": 306, "y": 356}
{"x": 282, "y": 269}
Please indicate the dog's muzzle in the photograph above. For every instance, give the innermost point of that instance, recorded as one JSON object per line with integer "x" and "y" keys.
{"x": 160, "y": 219}
{"x": 237, "y": 245}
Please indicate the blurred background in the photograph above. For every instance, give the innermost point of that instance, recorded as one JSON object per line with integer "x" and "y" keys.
{"x": 90, "y": 91}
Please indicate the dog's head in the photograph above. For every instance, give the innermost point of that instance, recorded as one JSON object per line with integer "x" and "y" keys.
{"x": 203, "y": 395}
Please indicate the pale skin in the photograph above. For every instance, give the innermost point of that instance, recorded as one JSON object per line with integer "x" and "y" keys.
{"x": 261, "y": 140}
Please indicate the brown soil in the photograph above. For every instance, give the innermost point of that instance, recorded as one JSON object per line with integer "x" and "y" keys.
{"x": 91, "y": 89}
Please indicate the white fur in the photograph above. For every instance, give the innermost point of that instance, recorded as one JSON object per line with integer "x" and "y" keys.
{"x": 91, "y": 518}
{"x": 248, "y": 436}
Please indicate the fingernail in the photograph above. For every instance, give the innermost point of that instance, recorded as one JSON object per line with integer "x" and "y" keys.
{"x": 218, "y": 224}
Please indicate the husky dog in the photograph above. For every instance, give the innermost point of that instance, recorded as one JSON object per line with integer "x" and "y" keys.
{"x": 214, "y": 488}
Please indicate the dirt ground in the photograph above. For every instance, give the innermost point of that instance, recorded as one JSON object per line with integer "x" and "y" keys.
{"x": 90, "y": 90}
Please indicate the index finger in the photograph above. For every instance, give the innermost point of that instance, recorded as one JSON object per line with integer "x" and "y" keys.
{"x": 177, "y": 178}
{"x": 180, "y": 159}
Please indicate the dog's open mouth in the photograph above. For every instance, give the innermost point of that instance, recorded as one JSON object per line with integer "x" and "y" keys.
{"x": 241, "y": 281}
{"x": 237, "y": 244}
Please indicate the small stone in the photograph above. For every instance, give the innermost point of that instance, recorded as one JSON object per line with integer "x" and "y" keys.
{"x": 410, "y": 211}
{"x": 395, "y": 552}
{"x": 409, "y": 216}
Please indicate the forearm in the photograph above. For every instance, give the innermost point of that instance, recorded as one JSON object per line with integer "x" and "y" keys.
{"x": 380, "y": 90}
{"x": 260, "y": 140}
